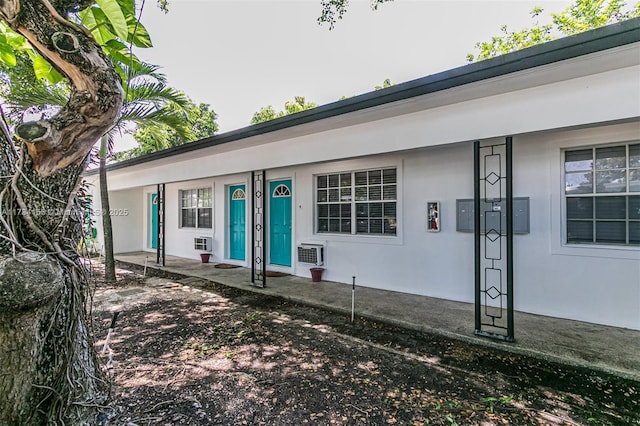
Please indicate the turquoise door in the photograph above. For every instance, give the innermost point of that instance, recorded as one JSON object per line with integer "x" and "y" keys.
{"x": 237, "y": 216}
{"x": 280, "y": 222}
{"x": 154, "y": 220}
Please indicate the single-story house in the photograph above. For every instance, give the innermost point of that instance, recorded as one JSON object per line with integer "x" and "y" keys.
{"x": 385, "y": 186}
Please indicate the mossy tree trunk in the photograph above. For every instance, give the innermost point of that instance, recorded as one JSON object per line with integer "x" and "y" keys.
{"x": 49, "y": 374}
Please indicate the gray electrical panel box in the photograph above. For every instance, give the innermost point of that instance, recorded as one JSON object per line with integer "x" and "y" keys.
{"x": 493, "y": 215}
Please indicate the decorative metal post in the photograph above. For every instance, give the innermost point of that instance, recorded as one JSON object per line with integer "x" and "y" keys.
{"x": 509, "y": 213}
{"x": 476, "y": 231}
{"x": 160, "y": 258}
{"x": 493, "y": 232}
{"x": 258, "y": 231}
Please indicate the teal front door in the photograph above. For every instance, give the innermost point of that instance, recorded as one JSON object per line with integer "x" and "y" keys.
{"x": 280, "y": 222}
{"x": 237, "y": 198}
{"x": 153, "y": 200}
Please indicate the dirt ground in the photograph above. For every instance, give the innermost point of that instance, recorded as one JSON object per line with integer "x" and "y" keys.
{"x": 221, "y": 356}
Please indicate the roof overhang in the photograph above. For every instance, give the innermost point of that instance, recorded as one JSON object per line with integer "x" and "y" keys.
{"x": 418, "y": 94}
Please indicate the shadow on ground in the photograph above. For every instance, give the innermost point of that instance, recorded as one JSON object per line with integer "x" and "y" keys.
{"x": 225, "y": 356}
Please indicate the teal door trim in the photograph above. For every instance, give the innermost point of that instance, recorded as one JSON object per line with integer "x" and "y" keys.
{"x": 237, "y": 222}
{"x": 153, "y": 220}
{"x": 280, "y": 222}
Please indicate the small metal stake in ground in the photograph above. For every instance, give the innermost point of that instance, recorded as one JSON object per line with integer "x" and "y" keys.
{"x": 353, "y": 298}
{"x": 106, "y": 342}
{"x": 144, "y": 272}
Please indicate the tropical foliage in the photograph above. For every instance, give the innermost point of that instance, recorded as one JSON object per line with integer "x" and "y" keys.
{"x": 74, "y": 82}
{"x": 581, "y": 16}
{"x": 148, "y": 102}
{"x": 51, "y": 375}
{"x": 158, "y": 115}
{"x": 334, "y": 10}
{"x": 197, "y": 121}
{"x": 386, "y": 83}
{"x": 290, "y": 107}
{"x": 299, "y": 104}
{"x": 112, "y": 23}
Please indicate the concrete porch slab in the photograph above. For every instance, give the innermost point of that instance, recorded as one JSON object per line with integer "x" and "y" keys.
{"x": 611, "y": 349}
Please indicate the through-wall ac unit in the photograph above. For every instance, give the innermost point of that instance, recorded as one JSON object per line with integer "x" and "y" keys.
{"x": 203, "y": 243}
{"x": 312, "y": 254}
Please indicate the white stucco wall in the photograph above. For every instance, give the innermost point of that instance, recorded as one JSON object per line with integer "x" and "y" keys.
{"x": 584, "y": 282}
{"x": 126, "y": 210}
{"x": 127, "y": 219}
{"x": 590, "y": 283}
{"x": 432, "y": 151}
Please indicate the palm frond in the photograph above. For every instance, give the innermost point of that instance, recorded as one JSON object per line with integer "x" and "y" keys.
{"x": 147, "y": 115}
{"x": 37, "y": 95}
{"x": 160, "y": 94}
{"x": 145, "y": 70}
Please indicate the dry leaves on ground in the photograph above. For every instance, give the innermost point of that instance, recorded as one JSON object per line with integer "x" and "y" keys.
{"x": 229, "y": 357}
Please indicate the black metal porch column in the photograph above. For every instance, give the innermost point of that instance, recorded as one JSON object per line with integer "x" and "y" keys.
{"x": 258, "y": 231}
{"x": 160, "y": 258}
{"x": 493, "y": 240}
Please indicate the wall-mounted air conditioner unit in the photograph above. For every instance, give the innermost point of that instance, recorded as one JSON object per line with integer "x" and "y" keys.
{"x": 311, "y": 253}
{"x": 203, "y": 243}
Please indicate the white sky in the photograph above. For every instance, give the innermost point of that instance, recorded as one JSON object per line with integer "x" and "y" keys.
{"x": 241, "y": 55}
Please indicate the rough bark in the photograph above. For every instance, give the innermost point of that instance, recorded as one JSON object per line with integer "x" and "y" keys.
{"x": 49, "y": 371}
{"x": 96, "y": 97}
{"x": 27, "y": 293}
{"x": 49, "y": 374}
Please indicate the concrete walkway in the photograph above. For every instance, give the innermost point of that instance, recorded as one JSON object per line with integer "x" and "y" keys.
{"x": 611, "y": 349}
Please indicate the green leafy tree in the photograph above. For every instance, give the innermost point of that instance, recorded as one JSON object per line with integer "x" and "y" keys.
{"x": 265, "y": 114}
{"x": 297, "y": 105}
{"x": 202, "y": 120}
{"x": 24, "y": 93}
{"x": 386, "y": 83}
{"x": 581, "y": 16}
{"x": 198, "y": 121}
{"x": 80, "y": 49}
{"x": 290, "y": 107}
{"x": 334, "y": 10}
{"x": 149, "y": 102}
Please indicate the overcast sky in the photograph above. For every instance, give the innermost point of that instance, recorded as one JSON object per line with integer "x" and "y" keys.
{"x": 241, "y": 55}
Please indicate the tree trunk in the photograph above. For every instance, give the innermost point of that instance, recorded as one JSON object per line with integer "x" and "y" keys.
{"x": 107, "y": 230}
{"x": 50, "y": 375}
{"x": 49, "y": 371}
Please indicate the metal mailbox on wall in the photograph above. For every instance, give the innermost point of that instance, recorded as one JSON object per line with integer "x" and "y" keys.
{"x": 465, "y": 213}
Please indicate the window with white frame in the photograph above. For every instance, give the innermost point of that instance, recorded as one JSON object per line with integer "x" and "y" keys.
{"x": 196, "y": 208}
{"x": 360, "y": 202}
{"x": 602, "y": 193}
